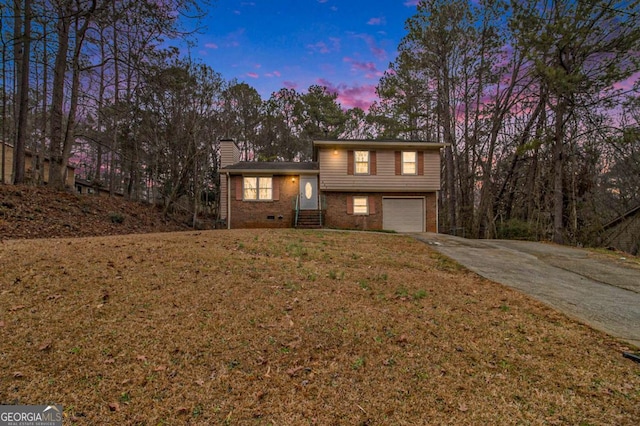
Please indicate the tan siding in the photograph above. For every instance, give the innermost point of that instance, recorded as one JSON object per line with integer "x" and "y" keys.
{"x": 229, "y": 153}
{"x": 70, "y": 178}
{"x": 333, "y": 173}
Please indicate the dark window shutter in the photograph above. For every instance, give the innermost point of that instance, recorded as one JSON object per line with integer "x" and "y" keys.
{"x": 350, "y": 162}
{"x": 349, "y": 205}
{"x": 373, "y": 163}
{"x": 275, "y": 190}
{"x": 420, "y": 163}
{"x": 398, "y": 155}
{"x": 238, "y": 188}
{"x": 372, "y": 204}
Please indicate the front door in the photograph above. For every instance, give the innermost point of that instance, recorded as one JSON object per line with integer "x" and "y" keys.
{"x": 308, "y": 193}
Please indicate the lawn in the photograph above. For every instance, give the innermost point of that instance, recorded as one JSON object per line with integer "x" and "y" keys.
{"x": 285, "y": 327}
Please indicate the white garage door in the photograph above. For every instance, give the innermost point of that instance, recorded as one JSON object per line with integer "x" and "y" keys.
{"x": 403, "y": 214}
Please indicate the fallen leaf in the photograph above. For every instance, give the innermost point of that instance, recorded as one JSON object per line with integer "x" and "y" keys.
{"x": 17, "y": 374}
{"x": 292, "y": 371}
{"x": 160, "y": 368}
{"x": 182, "y": 410}
{"x": 16, "y": 308}
{"x": 1, "y": 323}
{"x": 114, "y": 406}
{"x": 109, "y": 361}
{"x": 141, "y": 358}
{"x": 463, "y": 407}
{"x": 46, "y": 345}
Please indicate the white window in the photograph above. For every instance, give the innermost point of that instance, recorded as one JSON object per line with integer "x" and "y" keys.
{"x": 361, "y": 162}
{"x": 360, "y": 205}
{"x": 258, "y": 188}
{"x": 409, "y": 162}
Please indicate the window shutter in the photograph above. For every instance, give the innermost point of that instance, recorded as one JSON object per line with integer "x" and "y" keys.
{"x": 398, "y": 163}
{"x": 350, "y": 162}
{"x": 238, "y": 188}
{"x": 372, "y": 205}
{"x": 373, "y": 163}
{"x": 420, "y": 163}
{"x": 275, "y": 190}
{"x": 349, "y": 205}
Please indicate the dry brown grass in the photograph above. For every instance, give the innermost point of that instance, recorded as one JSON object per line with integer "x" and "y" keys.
{"x": 291, "y": 327}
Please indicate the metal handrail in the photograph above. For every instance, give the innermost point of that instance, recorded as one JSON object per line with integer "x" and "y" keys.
{"x": 295, "y": 223}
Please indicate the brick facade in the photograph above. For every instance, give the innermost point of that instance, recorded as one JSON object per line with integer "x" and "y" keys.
{"x": 265, "y": 214}
{"x": 336, "y": 215}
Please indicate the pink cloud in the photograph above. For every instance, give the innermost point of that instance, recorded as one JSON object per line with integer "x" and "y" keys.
{"x": 410, "y": 3}
{"x": 377, "y": 21}
{"x": 360, "y": 66}
{"x": 324, "y": 48}
{"x": 352, "y": 96}
{"x": 273, "y": 74}
{"x": 290, "y": 84}
{"x": 252, "y": 75}
{"x": 378, "y": 52}
{"x": 211, "y": 46}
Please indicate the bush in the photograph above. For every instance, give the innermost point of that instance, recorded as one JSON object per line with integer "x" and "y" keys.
{"x": 516, "y": 229}
{"x": 116, "y": 217}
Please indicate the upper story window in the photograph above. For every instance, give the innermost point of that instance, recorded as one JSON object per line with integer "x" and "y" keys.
{"x": 409, "y": 163}
{"x": 361, "y": 159}
{"x": 257, "y": 188}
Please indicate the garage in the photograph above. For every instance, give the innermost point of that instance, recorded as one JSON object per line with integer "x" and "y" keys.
{"x": 403, "y": 214}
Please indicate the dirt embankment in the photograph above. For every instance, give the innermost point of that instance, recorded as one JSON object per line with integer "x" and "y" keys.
{"x": 37, "y": 212}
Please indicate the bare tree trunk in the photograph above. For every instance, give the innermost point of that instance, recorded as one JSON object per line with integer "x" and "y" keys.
{"x": 57, "y": 97}
{"x": 23, "y": 88}
{"x": 4, "y": 111}
{"x": 558, "y": 168}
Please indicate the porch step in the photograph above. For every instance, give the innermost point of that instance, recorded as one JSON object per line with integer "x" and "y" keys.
{"x": 309, "y": 219}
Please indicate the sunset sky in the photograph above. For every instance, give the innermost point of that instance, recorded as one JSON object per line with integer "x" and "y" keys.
{"x": 345, "y": 45}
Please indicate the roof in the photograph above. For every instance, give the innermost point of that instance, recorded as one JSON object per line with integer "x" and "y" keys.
{"x": 370, "y": 143}
{"x": 273, "y": 167}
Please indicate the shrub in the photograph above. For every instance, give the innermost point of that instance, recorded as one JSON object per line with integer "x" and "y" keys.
{"x": 515, "y": 229}
{"x": 116, "y": 217}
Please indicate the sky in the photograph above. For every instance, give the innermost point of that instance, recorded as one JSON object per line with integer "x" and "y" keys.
{"x": 345, "y": 45}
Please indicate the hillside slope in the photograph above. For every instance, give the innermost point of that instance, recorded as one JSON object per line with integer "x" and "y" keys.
{"x": 38, "y": 212}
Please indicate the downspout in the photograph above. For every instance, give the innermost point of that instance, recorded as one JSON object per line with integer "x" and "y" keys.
{"x": 228, "y": 200}
{"x": 437, "y": 212}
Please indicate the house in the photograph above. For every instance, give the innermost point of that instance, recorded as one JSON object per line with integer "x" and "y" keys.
{"x": 351, "y": 184}
{"x": 623, "y": 233}
{"x": 86, "y": 187}
{"x": 29, "y": 162}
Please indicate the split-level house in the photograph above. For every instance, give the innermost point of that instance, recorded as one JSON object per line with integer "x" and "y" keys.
{"x": 351, "y": 184}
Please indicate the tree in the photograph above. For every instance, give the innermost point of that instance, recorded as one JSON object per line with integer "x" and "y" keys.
{"x": 579, "y": 50}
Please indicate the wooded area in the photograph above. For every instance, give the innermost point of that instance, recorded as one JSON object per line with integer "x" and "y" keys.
{"x": 538, "y": 101}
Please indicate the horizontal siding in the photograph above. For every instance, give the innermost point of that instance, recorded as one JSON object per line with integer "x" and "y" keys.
{"x": 333, "y": 173}
{"x": 229, "y": 153}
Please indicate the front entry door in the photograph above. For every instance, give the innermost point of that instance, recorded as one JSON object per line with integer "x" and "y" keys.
{"x": 308, "y": 193}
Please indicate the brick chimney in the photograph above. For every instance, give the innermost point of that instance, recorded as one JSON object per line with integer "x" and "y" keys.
{"x": 229, "y": 155}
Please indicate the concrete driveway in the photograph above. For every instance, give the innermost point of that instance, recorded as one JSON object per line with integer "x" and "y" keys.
{"x": 598, "y": 290}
